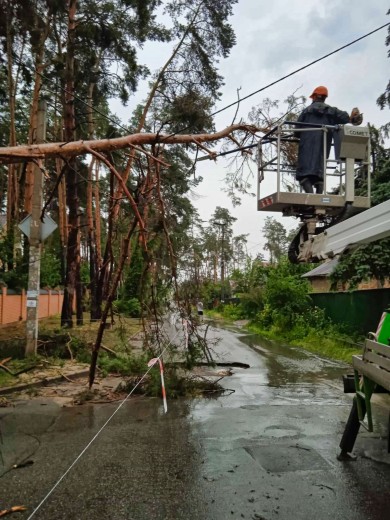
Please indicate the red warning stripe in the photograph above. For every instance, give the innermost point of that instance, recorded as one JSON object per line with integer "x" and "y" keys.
{"x": 267, "y": 201}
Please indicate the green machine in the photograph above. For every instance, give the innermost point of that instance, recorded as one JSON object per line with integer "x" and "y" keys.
{"x": 371, "y": 375}
{"x": 382, "y": 334}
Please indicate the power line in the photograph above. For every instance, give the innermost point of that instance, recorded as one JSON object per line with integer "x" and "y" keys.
{"x": 301, "y": 68}
{"x": 227, "y": 106}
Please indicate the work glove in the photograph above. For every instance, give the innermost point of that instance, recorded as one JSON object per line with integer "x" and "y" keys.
{"x": 356, "y": 117}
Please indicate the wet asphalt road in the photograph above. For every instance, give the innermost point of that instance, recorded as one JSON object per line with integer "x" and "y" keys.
{"x": 265, "y": 452}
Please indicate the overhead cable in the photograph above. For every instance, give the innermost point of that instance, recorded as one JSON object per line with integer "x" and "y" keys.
{"x": 301, "y": 68}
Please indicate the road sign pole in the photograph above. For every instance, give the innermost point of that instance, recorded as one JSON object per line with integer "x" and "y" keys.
{"x": 35, "y": 244}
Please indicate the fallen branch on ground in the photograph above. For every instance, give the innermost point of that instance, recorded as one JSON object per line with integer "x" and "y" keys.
{"x": 65, "y": 377}
{"x": 68, "y": 347}
{"x": 109, "y": 350}
{"x": 2, "y": 365}
{"x": 15, "y": 374}
{"x": 13, "y": 509}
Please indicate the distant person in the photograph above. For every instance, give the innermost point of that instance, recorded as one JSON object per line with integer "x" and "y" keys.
{"x": 199, "y": 307}
{"x": 310, "y": 170}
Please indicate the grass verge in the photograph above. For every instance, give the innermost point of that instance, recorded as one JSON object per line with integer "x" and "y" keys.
{"x": 126, "y": 357}
{"x": 329, "y": 344}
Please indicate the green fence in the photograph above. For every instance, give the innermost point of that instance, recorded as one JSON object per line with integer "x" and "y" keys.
{"x": 361, "y": 310}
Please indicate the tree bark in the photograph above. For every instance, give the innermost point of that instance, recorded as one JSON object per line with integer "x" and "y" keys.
{"x": 94, "y": 236}
{"x": 72, "y": 149}
{"x": 39, "y": 68}
{"x": 72, "y": 288}
{"x": 110, "y": 298}
{"x": 12, "y": 183}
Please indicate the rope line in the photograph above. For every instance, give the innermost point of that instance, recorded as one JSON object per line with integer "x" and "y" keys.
{"x": 98, "y": 432}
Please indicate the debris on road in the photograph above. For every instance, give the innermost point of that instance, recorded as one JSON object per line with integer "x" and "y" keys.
{"x": 14, "y": 509}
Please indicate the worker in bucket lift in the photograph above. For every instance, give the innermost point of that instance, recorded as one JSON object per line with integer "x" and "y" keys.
{"x": 310, "y": 170}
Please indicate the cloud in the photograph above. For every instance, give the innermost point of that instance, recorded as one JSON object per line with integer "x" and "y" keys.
{"x": 277, "y": 37}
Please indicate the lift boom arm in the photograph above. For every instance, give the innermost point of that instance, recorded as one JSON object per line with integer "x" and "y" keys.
{"x": 368, "y": 226}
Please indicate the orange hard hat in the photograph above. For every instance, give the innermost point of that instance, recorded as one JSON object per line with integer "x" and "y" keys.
{"x": 320, "y": 91}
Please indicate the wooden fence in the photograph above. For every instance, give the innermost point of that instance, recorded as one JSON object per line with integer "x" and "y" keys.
{"x": 13, "y": 306}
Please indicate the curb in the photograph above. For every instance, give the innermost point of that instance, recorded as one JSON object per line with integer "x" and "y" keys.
{"x": 43, "y": 382}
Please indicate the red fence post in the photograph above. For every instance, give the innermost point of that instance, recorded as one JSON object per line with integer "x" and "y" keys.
{"x": 3, "y": 297}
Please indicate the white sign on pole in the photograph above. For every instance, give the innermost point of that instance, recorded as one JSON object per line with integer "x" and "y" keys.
{"x": 31, "y": 303}
{"x": 47, "y": 227}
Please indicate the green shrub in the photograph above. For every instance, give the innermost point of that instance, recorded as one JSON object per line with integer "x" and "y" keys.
{"x": 233, "y": 312}
{"x": 131, "y": 307}
{"x": 123, "y": 365}
{"x": 252, "y": 302}
{"x": 287, "y": 297}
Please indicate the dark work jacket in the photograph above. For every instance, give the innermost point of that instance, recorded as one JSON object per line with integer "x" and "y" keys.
{"x": 311, "y": 144}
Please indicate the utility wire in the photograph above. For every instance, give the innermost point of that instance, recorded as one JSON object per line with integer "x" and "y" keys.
{"x": 227, "y": 106}
{"x": 302, "y": 68}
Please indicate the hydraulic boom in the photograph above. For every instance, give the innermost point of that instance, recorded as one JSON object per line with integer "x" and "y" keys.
{"x": 368, "y": 226}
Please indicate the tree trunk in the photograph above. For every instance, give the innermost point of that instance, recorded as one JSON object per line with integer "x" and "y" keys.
{"x": 22, "y": 153}
{"x": 93, "y": 227}
{"x": 110, "y": 297}
{"x": 39, "y": 68}
{"x": 62, "y": 217}
{"x": 12, "y": 184}
{"x": 72, "y": 278}
{"x": 95, "y": 309}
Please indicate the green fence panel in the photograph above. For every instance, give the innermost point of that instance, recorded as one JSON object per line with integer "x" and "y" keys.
{"x": 360, "y": 310}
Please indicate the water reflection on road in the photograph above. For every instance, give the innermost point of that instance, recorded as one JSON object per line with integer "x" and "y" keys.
{"x": 266, "y": 451}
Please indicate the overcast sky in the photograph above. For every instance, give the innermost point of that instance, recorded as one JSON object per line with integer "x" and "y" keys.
{"x": 275, "y": 38}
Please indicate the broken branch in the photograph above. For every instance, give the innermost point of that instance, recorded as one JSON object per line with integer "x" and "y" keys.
{"x": 13, "y": 509}
{"x": 74, "y": 148}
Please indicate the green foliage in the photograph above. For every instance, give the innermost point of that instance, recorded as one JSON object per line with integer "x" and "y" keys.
{"x": 384, "y": 99}
{"x": 85, "y": 273}
{"x": 254, "y": 274}
{"x": 365, "y": 263}
{"x": 370, "y": 261}
{"x": 133, "y": 274}
{"x": 209, "y": 292}
{"x": 15, "y": 279}
{"x": 252, "y": 302}
{"x": 6, "y": 250}
{"x": 312, "y": 322}
{"x": 233, "y": 312}
{"x": 16, "y": 365}
{"x": 276, "y": 239}
{"x": 277, "y": 296}
{"x": 280, "y": 308}
{"x": 50, "y": 269}
{"x": 131, "y": 307}
{"x": 80, "y": 349}
{"x": 191, "y": 111}
{"x": 195, "y": 351}
{"x": 287, "y": 297}
{"x": 123, "y": 365}
{"x": 13, "y": 272}
{"x": 177, "y": 384}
